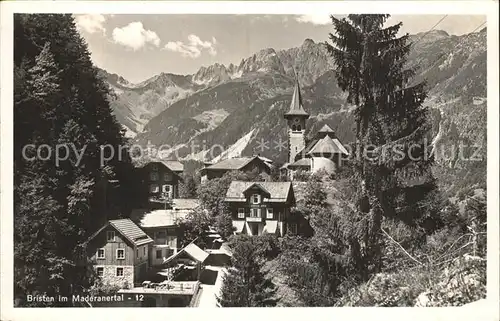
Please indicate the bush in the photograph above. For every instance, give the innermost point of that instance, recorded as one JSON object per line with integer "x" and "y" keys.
{"x": 464, "y": 281}
{"x": 387, "y": 290}
{"x": 301, "y": 176}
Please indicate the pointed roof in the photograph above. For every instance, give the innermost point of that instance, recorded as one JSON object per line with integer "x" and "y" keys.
{"x": 128, "y": 229}
{"x": 296, "y": 107}
{"x": 328, "y": 145}
{"x": 326, "y": 129}
{"x": 279, "y": 191}
{"x": 235, "y": 163}
{"x": 257, "y": 186}
{"x": 191, "y": 250}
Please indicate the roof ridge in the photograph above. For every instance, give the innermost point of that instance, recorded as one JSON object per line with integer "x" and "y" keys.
{"x": 325, "y": 128}
{"x": 121, "y": 232}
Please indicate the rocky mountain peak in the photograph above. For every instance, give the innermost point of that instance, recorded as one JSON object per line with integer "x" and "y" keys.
{"x": 212, "y": 74}
{"x": 114, "y": 79}
{"x": 266, "y": 60}
{"x": 431, "y": 36}
{"x": 308, "y": 42}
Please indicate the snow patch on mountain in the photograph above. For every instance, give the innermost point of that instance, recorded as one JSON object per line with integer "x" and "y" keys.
{"x": 116, "y": 90}
{"x": 237, "y": 148}
{"x": 128, "y": 132}
{"x": 447, "y": 62}
{"x": 237, "y": 74}
{"x": 202, "y": 81}
{"x": 212, "y": 118}
{"x": 199, "y": 156}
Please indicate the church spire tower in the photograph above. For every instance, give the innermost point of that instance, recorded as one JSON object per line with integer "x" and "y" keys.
{"x": 296, "y": 118}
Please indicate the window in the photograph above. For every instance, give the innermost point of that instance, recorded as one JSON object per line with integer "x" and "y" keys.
{"x": 255, "y": 212}
{"x": 256, "y": 198}
{"x": 160, "y": 235}
{"x": 241, "y": 212}
{"x": 167, "y": 189}
{"x": 171, "y": 241}
{"x": 100, "y": 253}
{"x": 100, "y": 271}
{"x": 299, "y": 128}
{"x": 110, "y": 235}
{"x": 154, "y": 176}
{"x": 120, "y": 254}
{"x": 154, "y": 188}
{"x": 137, "y": 252}
{"x": 167, "y": 176}
{"x": 159, "y": 254}
{"x": 294, "y": 128}
{"x": 270, "y": 214}
{"x": 119, "y": 271}
{"x": 144, "y": 250}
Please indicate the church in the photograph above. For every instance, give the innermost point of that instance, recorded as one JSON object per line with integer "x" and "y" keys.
{"x": 323, "y": 152}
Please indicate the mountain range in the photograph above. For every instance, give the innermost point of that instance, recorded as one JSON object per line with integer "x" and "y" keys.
{"x": 239, "y": 108}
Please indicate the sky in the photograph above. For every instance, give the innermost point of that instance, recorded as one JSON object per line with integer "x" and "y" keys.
{"x": 138, "y": 47}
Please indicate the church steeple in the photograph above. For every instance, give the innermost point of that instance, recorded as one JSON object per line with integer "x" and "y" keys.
{"x": 296, "y": 107}
{"x": 296, "y": 120}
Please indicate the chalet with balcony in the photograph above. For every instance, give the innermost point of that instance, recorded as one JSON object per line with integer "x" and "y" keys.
{"x": 120, "y": 252}
{"x": 161, "y": 179}
{"x": 262, "y": 207}
{"x": 259, "y": 164}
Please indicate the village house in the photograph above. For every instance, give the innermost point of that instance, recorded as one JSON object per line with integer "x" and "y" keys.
{"x": 177, "y": 283}
{"x": 161, "y": 179}
{"x": 189, "y": 260}
{"x": 259, "y": 164}
{"x": 262, "y": 207}
{"x": 323, "y": 152}
{"x": 120, "y": 253}
{"x": 162, "y": 226}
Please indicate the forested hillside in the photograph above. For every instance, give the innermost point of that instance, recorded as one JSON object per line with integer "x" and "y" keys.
{"x": 63, "y": 190}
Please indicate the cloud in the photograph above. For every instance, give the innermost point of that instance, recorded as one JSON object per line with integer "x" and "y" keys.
{"x": 134, "y": 36}
{"x": 193, "y": 47}
{"x": 91, "y": 23}
{"x": 317, "y": 19}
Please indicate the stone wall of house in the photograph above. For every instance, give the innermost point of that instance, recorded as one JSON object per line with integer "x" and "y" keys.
{"x": 125, "y": 281}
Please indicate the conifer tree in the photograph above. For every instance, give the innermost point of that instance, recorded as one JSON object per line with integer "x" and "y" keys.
{"x": 188, "y": 187}
{"x": 60, "y": 99}
{"x": 391, "y": 124}
{"x": 245, "y": 285}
